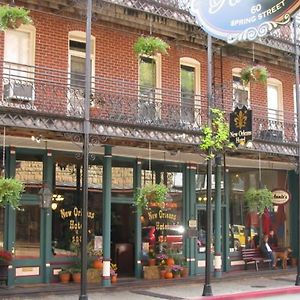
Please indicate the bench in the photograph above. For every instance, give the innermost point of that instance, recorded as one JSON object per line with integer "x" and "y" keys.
{"x": 255, "y": 256}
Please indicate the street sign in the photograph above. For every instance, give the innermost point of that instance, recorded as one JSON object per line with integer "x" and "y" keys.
{"x": 237, "y": 20}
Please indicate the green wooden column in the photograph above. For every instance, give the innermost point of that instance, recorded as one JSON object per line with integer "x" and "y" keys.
{"x": 137, "y": 174}
{"x": 185, "y": 204}
{"x": 192, "y": 216}
{"x": 226, "y": 258}
{"x": 10, "y": 214}
{"x": 218, "y": 216}
{"x": 107, "y": 178}
{"x": 46, "y": 229}
{"x": 294, "y": 204}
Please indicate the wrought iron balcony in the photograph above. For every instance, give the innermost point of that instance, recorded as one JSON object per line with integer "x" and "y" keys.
{"x": 56, "y": 94}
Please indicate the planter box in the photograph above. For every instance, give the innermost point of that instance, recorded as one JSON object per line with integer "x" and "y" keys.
{"x": 151, "y": 272}
{"x": 94, "y": 275}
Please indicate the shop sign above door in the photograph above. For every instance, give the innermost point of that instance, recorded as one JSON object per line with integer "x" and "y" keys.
{"x": 240, "y": 126}
{"x": 237, "y": 20}
{"x": 280, "y": 197}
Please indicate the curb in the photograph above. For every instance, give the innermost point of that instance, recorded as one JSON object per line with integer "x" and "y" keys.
{"x": 254, "y": 294}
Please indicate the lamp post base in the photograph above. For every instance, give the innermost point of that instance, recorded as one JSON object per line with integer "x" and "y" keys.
{"x": 207, "y": 290}
{"x": 297, "y": 279}
{"x": 83, "y": 297}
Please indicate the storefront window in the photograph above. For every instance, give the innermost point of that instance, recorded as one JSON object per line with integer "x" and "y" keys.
{"x": 162, "y": 229}
{"x": 28, "y": 232}
{"x": 246, "y": 226}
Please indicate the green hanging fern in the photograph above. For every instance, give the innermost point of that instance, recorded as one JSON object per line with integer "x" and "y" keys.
{"x": 150, "y": 46}
{"x": 216, "y": 137}
{"x": 255, "y": 74}
{"x": 12, "y": 17}
{"x": 258, "y": 200}
{"x": 150, "y": 193}
{"x": 10, "y": 192}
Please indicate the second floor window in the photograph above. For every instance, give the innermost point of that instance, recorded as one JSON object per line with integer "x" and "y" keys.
{"x": 18, "y": 67}
{"x": 187, "y": 87}
{"x": 240, "y": 92}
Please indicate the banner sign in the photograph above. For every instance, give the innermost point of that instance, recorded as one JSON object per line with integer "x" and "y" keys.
{"x": 241, "y": 20}
{"x": 241, "y": 126}
{"x": 280, "y": 197}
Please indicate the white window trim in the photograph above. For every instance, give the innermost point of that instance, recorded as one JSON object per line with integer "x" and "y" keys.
{"x": 237, "y": 73}
{"x": 191, "y": 62}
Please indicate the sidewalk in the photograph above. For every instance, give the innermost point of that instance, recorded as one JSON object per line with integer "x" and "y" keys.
{"x": 235, "y": 285}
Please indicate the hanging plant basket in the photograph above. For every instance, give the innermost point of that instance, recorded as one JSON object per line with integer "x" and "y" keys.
{"x": 10, "y": 192}
{"x": 255, "y": 74}
{"x": 150, "y": 193}
{"x": 12, "y": 17}
{"x": 150, "y": 46}
{"x": 257, "y": 200}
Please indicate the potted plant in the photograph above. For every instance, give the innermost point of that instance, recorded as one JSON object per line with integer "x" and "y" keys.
{"x": 113, "y": 273}
{"x": 176, "y": 270}
{"x": 12, "y": 17}
{"x": 216, "y": 136}
{"x": 76, "y": 274}
{"x": 151, "y": 192}
{"x": 10, "y": 192}
{"x": 64, "y": 275}
{"x": 151, "y": 258}
{"x": 150, "y": 46}
{"x": 96, "y": 256}
{"x": 254, "y": 73}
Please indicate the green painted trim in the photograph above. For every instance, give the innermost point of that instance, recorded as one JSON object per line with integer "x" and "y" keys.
{"x": 185, "y": 213}
{"x": 107, "y": 183}
{"x": 226, "y": 252}
{"x": 218, "y": 213}
{"x": 137, "y": 176}
{"x": 122, "y": 200}
{"x": 294, "y": 218}
{"x": 192, "y": 215}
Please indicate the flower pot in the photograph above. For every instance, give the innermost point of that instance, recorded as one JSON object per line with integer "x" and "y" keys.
{"x": 76, "y": 277}
{"x": 113, "y": 278}
{"x": 151, "y": 262}
{"x": 185, "y": 272}
{"x": 170, "y": 261}
{"x": 176, "y": 276}
{"x": 162, "y": 274}
{"x": 64, "y": 277}
{"x": 98, "y": 264}
{"x": 169, "y": 275}
{"x": 14, "y": 24}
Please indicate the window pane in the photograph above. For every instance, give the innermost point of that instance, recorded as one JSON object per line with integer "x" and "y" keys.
{"x": 28, "y": 231}
{"x": 17, "y": 47}
{"x": 273, "y": 102}
{"x": 77, "y": 71}
{"x": 147, "y": 73}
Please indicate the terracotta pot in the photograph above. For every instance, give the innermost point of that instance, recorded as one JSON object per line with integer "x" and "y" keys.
{"x": 98, "y": 264}
{"x": 162, "y": 274}
{"x": 76, "y": 277}
{"x": 14, "y": 24}
{"x": 170, "y": 262}
{"x": 185, "y": 272}
{"x": 113, "y": 278}
{"x": 151, "y": 262}
{"x": 168, "y": 275}
{"x": 64, "y": 277}
{"x": 176, "y": 276}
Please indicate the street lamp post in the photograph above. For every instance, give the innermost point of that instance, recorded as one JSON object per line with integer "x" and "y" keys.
{"x": 207, "y": 291}
{"x": 298, "y": 136}
{"x": 86, "y": 132}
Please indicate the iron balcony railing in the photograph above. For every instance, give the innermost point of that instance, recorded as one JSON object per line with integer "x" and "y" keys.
{"x": 114, "y": 101}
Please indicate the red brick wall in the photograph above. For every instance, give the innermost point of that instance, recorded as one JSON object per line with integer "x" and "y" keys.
{"x": 115, "y": 59}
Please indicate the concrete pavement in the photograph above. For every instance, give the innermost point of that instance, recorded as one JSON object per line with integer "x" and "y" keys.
{"x": 238, "y": 285}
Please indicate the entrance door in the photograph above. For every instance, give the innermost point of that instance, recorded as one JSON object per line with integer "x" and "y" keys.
{"x": 122, "y": 237}
{"x": 28, "y": 243}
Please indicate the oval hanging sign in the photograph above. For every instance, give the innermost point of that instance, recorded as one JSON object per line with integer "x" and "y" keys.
{"x": 280, "y": 197}
{"x": 240, "y": 20}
